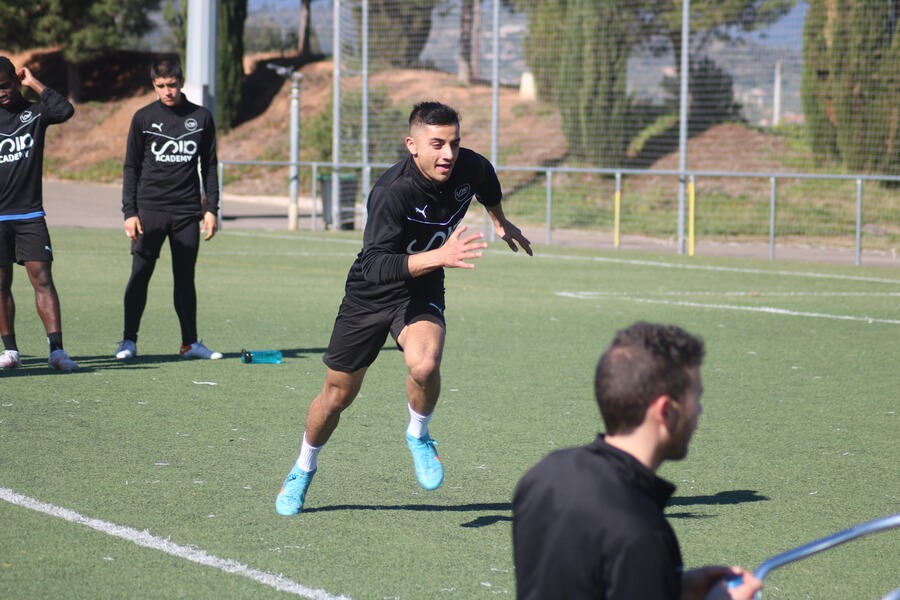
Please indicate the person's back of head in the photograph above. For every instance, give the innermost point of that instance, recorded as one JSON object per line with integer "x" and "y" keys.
{"x": 643, "y": 362}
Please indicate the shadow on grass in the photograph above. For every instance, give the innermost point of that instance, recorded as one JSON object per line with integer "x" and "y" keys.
{"x": 482, "y": 521}
{"x": 34, "y": 366}
{"x": 721, "y": 498}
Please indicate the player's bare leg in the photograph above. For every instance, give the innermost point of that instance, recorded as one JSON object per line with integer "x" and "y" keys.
{"x": 322, "y": 418}
{"x": 45, "y": 297}
{"x": 423, "y": 347}
{"x": 324, "y": 413}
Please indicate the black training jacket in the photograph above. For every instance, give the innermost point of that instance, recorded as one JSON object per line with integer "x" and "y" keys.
{"x": 165, "y": 145}
{"x": 408, "y": 214}
{"x": 22, "y": 129}
{"x": 588, "y": 523}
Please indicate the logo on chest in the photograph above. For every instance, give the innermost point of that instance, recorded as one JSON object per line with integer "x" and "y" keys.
{"x": 463, "y": 192}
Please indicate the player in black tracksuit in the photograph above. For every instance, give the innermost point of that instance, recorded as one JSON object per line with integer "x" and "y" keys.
{"x": 589, "y": 522}
{"x": 24, "y": 238}
{"x": 396, "y": 287}
{"x": 163, "y": 196}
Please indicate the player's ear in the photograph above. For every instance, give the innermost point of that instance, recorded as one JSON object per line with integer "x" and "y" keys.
{"x": 662, "y": 412}
{"x": 411, "y": 146}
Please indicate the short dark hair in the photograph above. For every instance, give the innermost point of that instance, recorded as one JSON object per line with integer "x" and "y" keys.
{"x": 7, "y": 67}
{"x": 165, "y": 68}
{"x": 433, "y": 113}
{"x": 643, "y": 362}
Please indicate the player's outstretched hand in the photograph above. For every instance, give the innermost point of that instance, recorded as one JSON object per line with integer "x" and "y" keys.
{"x": 511, "y": 234}
{"x": 457, "y": 249}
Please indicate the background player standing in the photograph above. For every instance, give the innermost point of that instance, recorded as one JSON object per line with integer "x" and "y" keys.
{"x": 162, "y": 197}
{"x": 396, "y": 287}
{"x": 24, "y": 238}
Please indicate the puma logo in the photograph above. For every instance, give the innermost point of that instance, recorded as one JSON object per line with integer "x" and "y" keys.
{"x": 422, "y": 211}
{"x": 157, "y": 126}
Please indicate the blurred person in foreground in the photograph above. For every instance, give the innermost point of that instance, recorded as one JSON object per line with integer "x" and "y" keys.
{"x": 164, "y": 196}
{"x": 24, "y": 238}
{"x": 396, "y": 287}
{"x": 588, "y": 522}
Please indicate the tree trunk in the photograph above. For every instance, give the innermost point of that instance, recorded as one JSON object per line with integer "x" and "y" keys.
{"x": 304, "y": 30}
{"x": 73, "y": 82}
{"x": 464, "y": 59}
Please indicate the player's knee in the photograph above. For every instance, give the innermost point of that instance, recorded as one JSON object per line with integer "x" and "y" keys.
{"x": 335, "y": 399}
{"x": 425, "y": 369}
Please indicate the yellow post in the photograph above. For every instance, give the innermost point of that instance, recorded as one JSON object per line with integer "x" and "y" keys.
{"x": 691, "y": 216}
{"x": 617, "y": 207}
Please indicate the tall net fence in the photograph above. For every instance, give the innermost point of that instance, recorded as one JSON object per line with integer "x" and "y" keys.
{"x": 579, "y": 105}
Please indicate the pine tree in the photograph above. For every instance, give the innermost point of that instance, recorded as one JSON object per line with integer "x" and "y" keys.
{"x": 86, "y": 29}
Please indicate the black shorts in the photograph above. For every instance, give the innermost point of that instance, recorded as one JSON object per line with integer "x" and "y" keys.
{"x": 183, "y": 229}
{"x": 23, "y": 241}
{"x": 360, "y": 333}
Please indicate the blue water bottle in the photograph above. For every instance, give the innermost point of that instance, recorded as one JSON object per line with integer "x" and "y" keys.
{"x": 261, "y": 357}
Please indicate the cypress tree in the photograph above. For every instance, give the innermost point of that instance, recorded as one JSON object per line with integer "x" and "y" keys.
{"x": 543, "y": 45}
{"x": 593, "y": 100}
{"x": 815, "y": 88}
{"x": 850, "y": 89}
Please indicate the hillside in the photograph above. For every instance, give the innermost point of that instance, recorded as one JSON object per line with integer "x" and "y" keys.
{"x": 91, "y": 146}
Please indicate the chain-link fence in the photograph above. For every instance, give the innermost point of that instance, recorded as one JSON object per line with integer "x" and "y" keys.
{"x": 581, "y": 105}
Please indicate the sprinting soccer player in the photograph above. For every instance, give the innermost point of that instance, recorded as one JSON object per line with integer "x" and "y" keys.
{"x": 162, "y": 197}
{"x": 396, "y": 287}
{"x": 588, "y": 522}
{"x": 24, "y": 238}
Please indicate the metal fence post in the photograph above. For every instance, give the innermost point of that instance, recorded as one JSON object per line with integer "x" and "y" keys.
{"x": 549, "y": 233}
{"x": 295, "y": 150}
{"x": 859, "y": 184}
{"x": 772, "y": 196}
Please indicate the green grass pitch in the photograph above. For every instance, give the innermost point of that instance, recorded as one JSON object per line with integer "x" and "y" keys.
{"x": 798, "y": 438}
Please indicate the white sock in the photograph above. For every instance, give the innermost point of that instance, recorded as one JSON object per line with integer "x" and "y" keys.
{"x": 418, "y": 424}
{"x": 309, "y": 456}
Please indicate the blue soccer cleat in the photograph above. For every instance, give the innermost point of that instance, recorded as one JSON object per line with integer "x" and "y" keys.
{"x": 290, "y": 499}
{"x": 429, "y": 470}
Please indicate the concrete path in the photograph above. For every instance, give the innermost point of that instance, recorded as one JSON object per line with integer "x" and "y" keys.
{"x": 71, "y": 204}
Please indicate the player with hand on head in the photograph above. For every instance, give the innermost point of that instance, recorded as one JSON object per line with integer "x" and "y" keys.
{"x": 163, "y": 196}
{"x": 588, "y": 522}
{"x": 24, "y": 238}
{"x": 396, "y": 287}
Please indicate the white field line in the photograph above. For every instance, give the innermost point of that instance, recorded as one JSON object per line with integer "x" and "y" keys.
{"x": 147, "y": 540}
{"x": 747, "y": 294}
{"x": 665, "y": 265}
{"x": 760, "y": 309}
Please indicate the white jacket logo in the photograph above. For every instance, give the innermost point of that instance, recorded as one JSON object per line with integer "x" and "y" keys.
{"x": 15, "y": 148}
{"x": 174, "y": 150}
{"x": 437, "y": 240}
